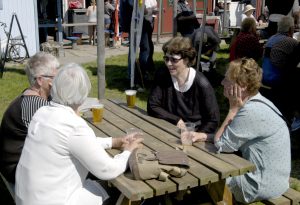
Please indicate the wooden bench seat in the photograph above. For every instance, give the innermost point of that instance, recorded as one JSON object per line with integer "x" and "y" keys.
{"x": 290, "y": 197}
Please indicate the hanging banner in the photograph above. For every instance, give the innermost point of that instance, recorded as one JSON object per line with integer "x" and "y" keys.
{"x": 135, "y": 35}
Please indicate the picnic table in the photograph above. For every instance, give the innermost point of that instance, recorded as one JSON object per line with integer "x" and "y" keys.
{"x": 207, "y": 168}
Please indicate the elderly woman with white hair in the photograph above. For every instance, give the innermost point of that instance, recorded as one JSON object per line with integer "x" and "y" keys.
{"x": 40, "y": 70}
{"x": 61, "y": 149}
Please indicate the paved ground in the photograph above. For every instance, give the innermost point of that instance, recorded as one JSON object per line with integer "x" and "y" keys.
{"x": 87, "y": 53}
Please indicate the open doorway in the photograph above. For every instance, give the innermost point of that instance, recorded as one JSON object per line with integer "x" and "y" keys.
{"x": 47, "y": 18}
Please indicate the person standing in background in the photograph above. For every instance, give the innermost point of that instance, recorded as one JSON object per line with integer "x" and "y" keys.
{"x": 108, "y": 15}
{"x": 186, "y": 19}
{"x": 146, "y": 44}
{"x": 277, "y": 10}
{"x": 248, "y": 13}
{"x": 92, "y": 18}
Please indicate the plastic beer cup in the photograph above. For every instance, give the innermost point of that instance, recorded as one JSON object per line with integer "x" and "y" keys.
{"x": 97, "y": 111}
{"x": 130, "y": 97}
{"x": 186, "y": 135}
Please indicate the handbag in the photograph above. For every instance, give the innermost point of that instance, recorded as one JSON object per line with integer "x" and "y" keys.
{"x": 145, "y": 164}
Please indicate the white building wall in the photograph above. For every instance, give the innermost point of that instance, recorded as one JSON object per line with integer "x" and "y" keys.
{"x": 27, "y": 16}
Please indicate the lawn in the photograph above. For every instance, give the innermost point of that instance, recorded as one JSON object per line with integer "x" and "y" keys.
{"x": 14, "y": 81}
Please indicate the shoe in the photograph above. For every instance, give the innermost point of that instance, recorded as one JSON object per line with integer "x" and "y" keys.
{"x": 295, "y": 124}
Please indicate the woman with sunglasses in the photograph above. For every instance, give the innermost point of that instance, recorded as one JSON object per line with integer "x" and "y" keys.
{"x": 181, "y": 94}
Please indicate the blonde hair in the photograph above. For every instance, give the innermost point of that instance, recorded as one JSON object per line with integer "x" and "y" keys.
{"x": 246, "y": 73}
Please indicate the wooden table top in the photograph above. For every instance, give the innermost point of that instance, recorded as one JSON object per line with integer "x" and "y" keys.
{"x": 206, "y": 166}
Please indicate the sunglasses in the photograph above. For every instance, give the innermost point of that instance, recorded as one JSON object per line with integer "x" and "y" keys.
{"x": 172, "y": 59}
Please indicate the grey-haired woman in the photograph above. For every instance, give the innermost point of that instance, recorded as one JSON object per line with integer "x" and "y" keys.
{"x": 61, "y": 149}
{"x": 40, "y": 69}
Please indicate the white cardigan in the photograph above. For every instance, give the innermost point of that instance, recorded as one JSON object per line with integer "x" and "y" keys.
{"x": 59, "y": 151}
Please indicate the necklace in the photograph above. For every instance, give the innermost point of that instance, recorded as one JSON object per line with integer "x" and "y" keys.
{"x": 32, "y": 91}
{"x": 182, "y": 87}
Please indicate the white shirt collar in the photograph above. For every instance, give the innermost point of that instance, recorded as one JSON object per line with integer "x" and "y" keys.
{"x": 187, "y": 85}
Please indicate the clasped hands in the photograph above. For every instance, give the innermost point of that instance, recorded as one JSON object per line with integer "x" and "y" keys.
{"x": 196, "y": 136}
{"x": 129, "y": 142}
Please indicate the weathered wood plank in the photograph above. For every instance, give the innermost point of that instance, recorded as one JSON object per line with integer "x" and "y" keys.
{"x": 293, "y": 195}
{"x": 149, "y": 143}
{"x": 132, "y": 189}
{"x": 78, "y": 24}
{"x": 243, "y": 165}
{"x": 224, "y": 169}
{"x": 110, "y": 129}
{"x": 166, "y": 187}
{"x": 278, "y": 201}
{"x": 204, "y": 174}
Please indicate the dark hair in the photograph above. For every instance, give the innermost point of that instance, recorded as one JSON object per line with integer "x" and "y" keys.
{"x": 182, "y": 46}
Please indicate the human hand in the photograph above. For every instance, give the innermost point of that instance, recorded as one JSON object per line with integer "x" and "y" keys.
{"x": 199, "y": 136}
{"x": 180, "y": 124}
{"x": 133, "y": 136}
{"x": 118, "y": 142}
{"x": 235, "y": 96}
{"x": 133, "y": 144}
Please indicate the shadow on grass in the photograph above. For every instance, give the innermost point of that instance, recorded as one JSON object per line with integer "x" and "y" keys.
{"x": 116, "y": 76}
{"x": 14, "y": 70}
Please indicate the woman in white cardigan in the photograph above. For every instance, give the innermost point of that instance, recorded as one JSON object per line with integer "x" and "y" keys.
{"x": 60, "y": 149}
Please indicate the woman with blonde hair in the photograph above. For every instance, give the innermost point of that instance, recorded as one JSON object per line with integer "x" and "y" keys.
{"x": 255, "y": 127}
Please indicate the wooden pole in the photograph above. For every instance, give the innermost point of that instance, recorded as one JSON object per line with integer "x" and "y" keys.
{"x": 159, "y": 21}
{"x": 202, "y": 34}
{"x": 100, "y": 49}
{"x": 195, "y": 6}
{"x": 174, "y": 17}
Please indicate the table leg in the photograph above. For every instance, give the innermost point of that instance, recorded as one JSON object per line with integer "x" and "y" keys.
{"x": 123, "y": 200}
{"x": 220, "y": 193}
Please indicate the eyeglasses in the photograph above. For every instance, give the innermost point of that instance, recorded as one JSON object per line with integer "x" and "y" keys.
{"x": 48, "y": 76}
{"x": 172, "y": 59}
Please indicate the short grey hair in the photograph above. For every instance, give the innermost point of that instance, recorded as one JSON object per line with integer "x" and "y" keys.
{"x": 40, "y": 64}
{"x": 285, "y": 24}
{"x": 70, "y": 86}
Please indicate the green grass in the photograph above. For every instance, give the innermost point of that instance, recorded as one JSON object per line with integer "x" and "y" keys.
{"x": 14, "y": 81}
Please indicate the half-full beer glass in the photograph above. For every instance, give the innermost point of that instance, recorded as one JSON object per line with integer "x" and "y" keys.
{"x": 97, "y": 111}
